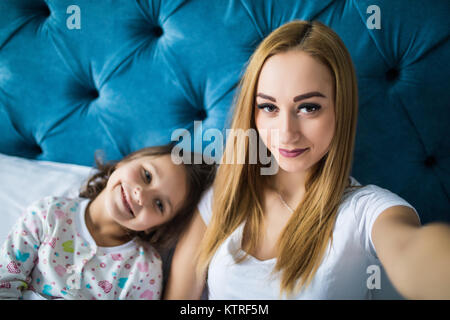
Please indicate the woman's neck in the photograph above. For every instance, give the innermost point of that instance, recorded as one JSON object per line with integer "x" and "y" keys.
{"x": 291, "y": 186}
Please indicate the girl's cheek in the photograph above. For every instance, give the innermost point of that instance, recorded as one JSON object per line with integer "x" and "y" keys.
{"x": 134, "y": 174}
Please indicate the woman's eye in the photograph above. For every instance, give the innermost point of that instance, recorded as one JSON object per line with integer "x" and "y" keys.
{"x": 147, "y": 176}
{"x": 267, "y": 107}
{"x": 160, "y": 205}
{"x": 309, "y": 108}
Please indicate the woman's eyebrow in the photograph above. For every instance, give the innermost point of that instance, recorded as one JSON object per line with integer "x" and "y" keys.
{"x": 308, "y": 95}
{"x": 297, "y": 98}
{"x": 265, "y": 96}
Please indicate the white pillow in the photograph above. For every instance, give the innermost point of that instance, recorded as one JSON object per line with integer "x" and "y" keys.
{"x": 23, "y": 181}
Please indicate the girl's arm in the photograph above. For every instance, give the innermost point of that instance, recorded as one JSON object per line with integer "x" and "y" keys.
{"x": 416, "y": 259}
{"x": 183, "y": 283}
{"x": 18, "y": 254}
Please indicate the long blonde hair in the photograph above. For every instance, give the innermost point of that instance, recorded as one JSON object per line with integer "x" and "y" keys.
{"x": 302, "y": 243}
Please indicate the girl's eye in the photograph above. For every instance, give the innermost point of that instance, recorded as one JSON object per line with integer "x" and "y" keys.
{"x": 268, "y": 107}
{"x": 147, "y": 176}
{"x": 309, "y": 108}
{"x": 160, "y": 205}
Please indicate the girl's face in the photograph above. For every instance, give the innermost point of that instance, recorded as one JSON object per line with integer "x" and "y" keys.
{"x": 145, "y": 192}
{"x": 295, "y": 97}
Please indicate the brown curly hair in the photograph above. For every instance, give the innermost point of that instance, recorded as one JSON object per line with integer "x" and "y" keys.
{"x": 199, "y": 177}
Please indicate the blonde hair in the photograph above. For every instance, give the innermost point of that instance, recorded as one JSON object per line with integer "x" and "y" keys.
{"x": 302, "y": 243}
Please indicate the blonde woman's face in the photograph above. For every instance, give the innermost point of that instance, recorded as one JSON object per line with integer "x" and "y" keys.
{"x": 294, "y": 109}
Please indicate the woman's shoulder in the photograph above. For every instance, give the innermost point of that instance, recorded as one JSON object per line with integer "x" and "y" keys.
{"x": 356, "y": 191}
{"x": 362, "y": 206}
{"x": 370, "y": 200}
{"x": 205, "y": 205}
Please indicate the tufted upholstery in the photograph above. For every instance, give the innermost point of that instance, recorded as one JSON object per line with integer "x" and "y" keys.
{"x": 138, "y": 69}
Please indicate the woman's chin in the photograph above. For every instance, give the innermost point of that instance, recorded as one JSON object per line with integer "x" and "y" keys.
{"x": 292, "y": 167}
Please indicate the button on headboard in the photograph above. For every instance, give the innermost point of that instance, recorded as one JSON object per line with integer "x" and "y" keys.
{"x": 81, "y": 75}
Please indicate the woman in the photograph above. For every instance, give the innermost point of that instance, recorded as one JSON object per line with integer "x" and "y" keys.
{"x": 310, "y": 231}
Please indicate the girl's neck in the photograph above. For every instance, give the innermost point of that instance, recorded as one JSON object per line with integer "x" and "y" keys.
{"x": 105, "y": 231}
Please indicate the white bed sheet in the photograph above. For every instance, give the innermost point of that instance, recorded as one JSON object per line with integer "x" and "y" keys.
{"x": 23, "y": 181}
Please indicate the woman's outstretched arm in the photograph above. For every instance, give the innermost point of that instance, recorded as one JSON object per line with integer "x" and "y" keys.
{"x": 183, "y": 282}
{"x": 416, "y": 259}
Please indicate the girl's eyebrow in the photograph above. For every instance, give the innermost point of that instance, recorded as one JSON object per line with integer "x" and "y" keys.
{"x": 155, "y": 169}
{"x": 297, "y": 98}
{"x": 167, "y": 199}
{"x": 158, "y": 177}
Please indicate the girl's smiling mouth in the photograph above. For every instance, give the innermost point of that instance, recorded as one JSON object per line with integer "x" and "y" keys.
{"x": 125, "y": 200}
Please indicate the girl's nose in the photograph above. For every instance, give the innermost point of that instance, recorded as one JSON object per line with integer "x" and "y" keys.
{"x": 137, "y": 194}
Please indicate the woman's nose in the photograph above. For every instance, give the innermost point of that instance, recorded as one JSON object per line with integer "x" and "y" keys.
{"x": 288, "y": 129}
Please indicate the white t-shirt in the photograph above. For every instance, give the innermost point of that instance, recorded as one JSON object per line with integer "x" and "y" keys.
{"x": 350, "y": 268}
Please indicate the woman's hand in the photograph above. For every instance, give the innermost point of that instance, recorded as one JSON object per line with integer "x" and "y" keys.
{"x": 416, "y": 259}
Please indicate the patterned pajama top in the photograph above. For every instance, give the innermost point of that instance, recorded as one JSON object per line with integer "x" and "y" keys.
{"x": 51, "y": 252}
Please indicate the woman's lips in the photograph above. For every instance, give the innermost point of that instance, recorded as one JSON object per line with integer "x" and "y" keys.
{"x": 292, "y": 153}
{"x": 125, "y": 201}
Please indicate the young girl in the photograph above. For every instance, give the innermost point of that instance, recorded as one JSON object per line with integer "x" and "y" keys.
{"x": 309, "y": 231}
{"x": 101, "y": 245}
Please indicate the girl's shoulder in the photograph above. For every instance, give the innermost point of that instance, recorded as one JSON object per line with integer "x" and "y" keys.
{"x": 58, "y": 201}
{"x": 50, "y": 205}
{"x": 147, "y": 252}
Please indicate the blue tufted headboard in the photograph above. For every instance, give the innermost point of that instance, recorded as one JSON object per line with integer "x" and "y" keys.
{"x": 81, "y": 75}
